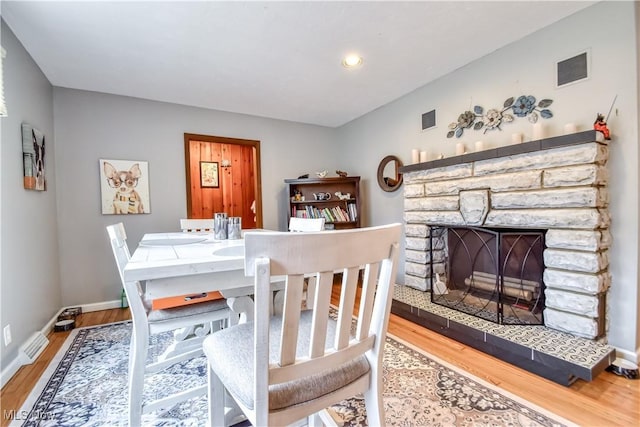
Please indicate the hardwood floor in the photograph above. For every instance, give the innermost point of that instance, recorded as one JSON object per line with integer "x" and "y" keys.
{"x": 609, "y": 400}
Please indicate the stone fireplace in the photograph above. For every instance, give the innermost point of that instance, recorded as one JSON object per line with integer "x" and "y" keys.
{"x": 555, "y": 188}
{"x": 558, "y": 185}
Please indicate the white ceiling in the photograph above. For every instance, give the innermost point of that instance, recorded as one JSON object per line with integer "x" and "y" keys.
{"x": 273, "y": 59}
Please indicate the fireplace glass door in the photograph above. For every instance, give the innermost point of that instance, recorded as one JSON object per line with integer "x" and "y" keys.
{"x": 494, "y": 274}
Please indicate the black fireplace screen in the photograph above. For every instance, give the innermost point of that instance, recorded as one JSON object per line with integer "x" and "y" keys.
{"x": 494, "y": 274}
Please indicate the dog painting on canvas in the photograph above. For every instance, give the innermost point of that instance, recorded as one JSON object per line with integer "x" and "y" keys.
{"x": 124, "y": 192}
{"x": 33, "y": 158}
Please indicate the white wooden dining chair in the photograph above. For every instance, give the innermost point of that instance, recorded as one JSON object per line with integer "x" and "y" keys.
{"x": 281, "y": 369}
{"x": 196, "y": 225}
{"x": 306, "y": 224}
{"x": 147, "y": 322}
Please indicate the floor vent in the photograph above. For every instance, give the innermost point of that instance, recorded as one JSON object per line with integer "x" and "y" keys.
{"x": 30, "y": 351}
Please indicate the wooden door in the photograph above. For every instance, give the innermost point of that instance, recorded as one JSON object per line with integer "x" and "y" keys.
{"x": 232, "y": 184}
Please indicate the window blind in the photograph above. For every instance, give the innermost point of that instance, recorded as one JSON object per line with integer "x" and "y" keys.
{"x": 3, "y": 106}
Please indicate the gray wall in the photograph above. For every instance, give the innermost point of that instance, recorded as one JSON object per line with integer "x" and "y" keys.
{"x": 29, "y": 276}
{"x": 91, "y": 126}
{"x": 527, "y": 67}
{"x": 635, "y": 319}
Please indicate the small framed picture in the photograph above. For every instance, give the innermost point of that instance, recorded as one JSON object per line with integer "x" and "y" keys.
{"x": 209, "y": 175}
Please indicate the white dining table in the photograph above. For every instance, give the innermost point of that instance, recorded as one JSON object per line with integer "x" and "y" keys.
{"x": 173, "y": 264}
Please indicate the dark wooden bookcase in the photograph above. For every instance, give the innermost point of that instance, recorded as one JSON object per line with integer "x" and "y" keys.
{"x": 303, "y": 203}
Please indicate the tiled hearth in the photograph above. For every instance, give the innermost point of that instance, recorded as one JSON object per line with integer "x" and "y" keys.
{"x": 557, "y": 184}
{"x": 555, "y": 355}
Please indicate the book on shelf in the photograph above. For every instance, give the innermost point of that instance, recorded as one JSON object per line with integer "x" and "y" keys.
{"x": 330, "y": 214}
{"x": 353, "y": 211}
{"x": 340, "y": 213}
{"x": 334, "y": 214}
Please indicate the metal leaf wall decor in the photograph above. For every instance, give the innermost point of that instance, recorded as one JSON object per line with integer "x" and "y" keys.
{"x": 492, "y": 119}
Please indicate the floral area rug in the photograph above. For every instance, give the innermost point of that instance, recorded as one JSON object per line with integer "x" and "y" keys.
{"x": 86, "y": 385}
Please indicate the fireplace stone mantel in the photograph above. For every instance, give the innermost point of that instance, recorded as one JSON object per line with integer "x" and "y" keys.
{"x": 509, "y": 150}
{"x": 558, "y": 184}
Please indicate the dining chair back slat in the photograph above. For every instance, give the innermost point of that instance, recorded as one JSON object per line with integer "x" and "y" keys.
{"x": 367, "y": 299}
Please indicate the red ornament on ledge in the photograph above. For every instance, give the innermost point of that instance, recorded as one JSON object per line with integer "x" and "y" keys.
{"x": 601, "y": 125}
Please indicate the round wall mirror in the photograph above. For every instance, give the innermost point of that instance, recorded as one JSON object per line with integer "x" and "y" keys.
{"x": 389, "y": 176}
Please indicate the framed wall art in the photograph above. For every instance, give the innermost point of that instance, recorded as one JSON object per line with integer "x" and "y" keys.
{"x": 33, "y": 158}
{"x": 124, "y": 186}
{"x": 209, "y": 176}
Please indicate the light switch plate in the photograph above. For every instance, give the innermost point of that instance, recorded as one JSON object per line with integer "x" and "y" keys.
{"x": 7, "y": 335}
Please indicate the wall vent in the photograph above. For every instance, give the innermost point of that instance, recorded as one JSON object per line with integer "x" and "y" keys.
{"x": 572, "y": 70}
{"x": 429, "y": 119}
{"x": 35, "y": 345}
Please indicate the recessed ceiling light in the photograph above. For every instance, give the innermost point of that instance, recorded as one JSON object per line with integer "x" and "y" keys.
{"x": 351, "y": 61}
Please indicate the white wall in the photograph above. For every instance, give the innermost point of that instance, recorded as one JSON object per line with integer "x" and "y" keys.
{"x": 90, "y": 126}
{"x": 30, "y": 279}
{"x": 527, "y": 68}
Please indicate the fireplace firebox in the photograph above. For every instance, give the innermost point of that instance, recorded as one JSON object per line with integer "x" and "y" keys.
{"x": 494, "y": 274}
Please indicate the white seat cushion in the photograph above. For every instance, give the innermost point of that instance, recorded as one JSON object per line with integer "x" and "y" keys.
{"x": 156, "y": 316}
{"x": 230, "y": 355}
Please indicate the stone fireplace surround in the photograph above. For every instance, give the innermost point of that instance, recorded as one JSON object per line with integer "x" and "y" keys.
{"x": 557, "y": 184}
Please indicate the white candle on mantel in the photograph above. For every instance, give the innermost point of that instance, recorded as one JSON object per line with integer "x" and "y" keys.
{"x": 459, "y": 149}
{"x": 570, "y": 128}
{"x": 423, "y": 156}
{"x": 516, "y": 138}
{"x": 415, "y": 155}
{"x": 538, "y": 131}
{"x": 479, "y": 145}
